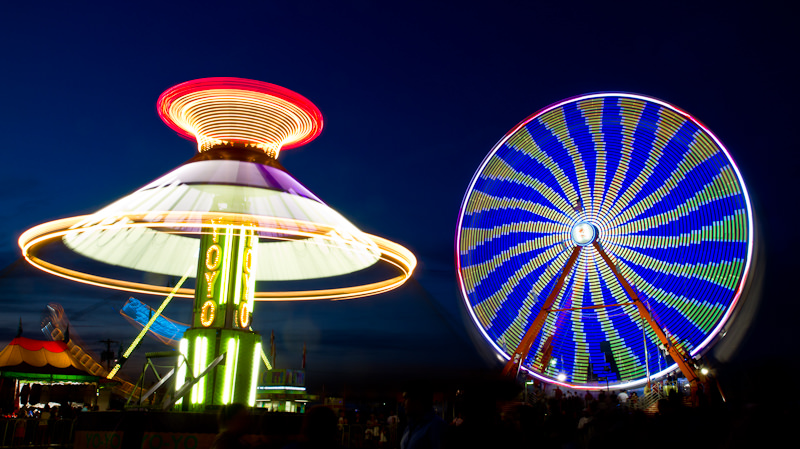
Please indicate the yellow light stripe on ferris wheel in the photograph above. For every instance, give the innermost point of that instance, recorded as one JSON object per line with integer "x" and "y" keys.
{"x": 523, "y": 142}
{"x": 665, "y": 129}
{"x": 553, "y": 256}
{"x": 480, "y": 271}
{"x": 610, "y": 331}
{"x": 578, "y": 333}
{"x": 736, "y": 220}
{"x": 707, "y": 272}
{"x": 483, "y": 202}
{"x": 668, "y": 125}
{"x": 700, "y": 198}
{"x": 592, "y": 111}
{"x": 630, "y": 115}
{"x": 681, "y": 303}
{"x": 555, "y": 121}
{"x": 497, "y": 168}
{"x": 471, "y": 238}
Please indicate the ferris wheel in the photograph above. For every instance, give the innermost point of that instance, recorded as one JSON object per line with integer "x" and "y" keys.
{"x": 604, "y": 241}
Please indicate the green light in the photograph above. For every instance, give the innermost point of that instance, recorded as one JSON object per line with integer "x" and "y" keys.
{"x": 265, "y": 359}
{"x": 200, "y": 352}
{"x": 226, "y": 267}
{"x": 237, "y": 289}
{"x": 254, "y": 375}
{"x": 252, "y": 241}
{"x": 183, "y": 348}
{"x": 231, "y": 360}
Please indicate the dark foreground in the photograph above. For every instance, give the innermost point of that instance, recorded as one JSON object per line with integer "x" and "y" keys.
{"x": 484, "y": 423}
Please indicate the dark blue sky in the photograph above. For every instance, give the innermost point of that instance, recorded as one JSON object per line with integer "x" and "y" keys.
{"x": 413, "y": 94}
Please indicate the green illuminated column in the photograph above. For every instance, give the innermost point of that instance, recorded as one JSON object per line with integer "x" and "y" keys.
{"x": 223, "y": 308}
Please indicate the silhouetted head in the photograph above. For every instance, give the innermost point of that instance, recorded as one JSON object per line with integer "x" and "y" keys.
{"x": 233, "y": 418}
{"x": 320, "y": 425}
{"x": 417, "y": 401}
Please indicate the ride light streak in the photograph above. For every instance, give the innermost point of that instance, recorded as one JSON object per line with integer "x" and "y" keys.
{"x": 265, "y": 360}
{"x": 147, "y": 326}
{"x": 183, "y": 348}
{"x": 231, "y": 359}
{"x": 200, "y": 356}
{"x": 392, "y": 253}
{"x": 276, "y": 387}
{"x": 217, "y": 111}
{"x": 254, "y": 374}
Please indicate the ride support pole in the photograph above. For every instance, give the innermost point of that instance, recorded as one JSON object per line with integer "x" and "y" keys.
{"x": 518, "y": 358}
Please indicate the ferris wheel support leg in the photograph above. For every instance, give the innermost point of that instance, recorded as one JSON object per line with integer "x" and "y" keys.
{"x": 683, "y": 361}
{"x": 511, "y": 370}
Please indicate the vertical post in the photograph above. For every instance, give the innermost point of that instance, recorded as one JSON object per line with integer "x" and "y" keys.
{"x": 223, "y": 311}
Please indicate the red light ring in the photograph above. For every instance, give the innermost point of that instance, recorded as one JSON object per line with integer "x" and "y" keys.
{"x": 175, "y": 93}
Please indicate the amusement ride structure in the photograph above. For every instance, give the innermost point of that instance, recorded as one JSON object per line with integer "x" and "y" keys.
{"x": 234, "y": 220}
{"x": 603, "y": 242}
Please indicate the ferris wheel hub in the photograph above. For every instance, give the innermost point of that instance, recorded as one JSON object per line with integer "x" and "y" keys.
{"x": 583, "y": 233}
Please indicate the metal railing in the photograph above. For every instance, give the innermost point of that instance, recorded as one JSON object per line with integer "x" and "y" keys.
{"x": 645, "y": 402}
{"x": 359, "y": 436}
{"x": 124, "y": 388}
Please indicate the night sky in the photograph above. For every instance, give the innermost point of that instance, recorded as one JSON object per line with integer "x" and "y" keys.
{"x": 414, "y": 95}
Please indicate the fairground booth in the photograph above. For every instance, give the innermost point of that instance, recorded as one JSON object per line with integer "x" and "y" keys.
{"x": 38, "y": 373}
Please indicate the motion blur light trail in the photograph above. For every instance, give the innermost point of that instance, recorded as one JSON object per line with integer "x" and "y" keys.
{"x": 166, "y": 330}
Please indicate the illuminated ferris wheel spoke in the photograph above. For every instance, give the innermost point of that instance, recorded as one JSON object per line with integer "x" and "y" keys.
{"x": 594, "y": 122}
{"x": 611, "y": 198}
{"x": 710, "y": 194}
{"x": 488, "y": 309}
{"x": 491, "y": 203}
{"x": 679, "y": 356}
{"x": 680, "y": 308}
{"x": 665, "y": 132}
{"x": 533, "y": 250}
{"x": 521, "y": 353}
{"x": 484, "y": 236}
{"x": 681, "y": 172}
{"x": 498, "y": 170}
{"x": 700, "y": 271}
{"x": 700, "y": 234}
{"x": 552, "y": 124}
{"x": 524, "y": 144}
{"x": 626, "y": 129}
{"x": 705, "y": 196}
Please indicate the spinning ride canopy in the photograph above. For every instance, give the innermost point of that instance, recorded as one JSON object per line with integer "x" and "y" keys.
{"x": 233, "y": 183}
{"x": 43, "y": 361}
{"x": 660, "y": 194}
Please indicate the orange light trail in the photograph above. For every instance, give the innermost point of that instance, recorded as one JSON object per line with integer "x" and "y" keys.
{"x": 392, "y": 253}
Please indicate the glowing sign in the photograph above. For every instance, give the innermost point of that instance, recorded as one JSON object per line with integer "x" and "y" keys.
{"x": 207, "y": 313}
{"x": 244, "y": 316}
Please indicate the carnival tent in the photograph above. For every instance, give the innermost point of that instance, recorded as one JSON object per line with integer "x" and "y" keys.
{"x": 41, "y": 361}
